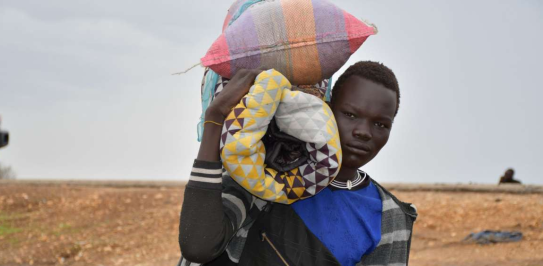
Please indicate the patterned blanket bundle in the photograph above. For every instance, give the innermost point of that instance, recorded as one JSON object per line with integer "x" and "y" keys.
{"x": 298, "y": 114}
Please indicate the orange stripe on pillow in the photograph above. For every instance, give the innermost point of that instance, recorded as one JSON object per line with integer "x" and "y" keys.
{"x": 306, "y": 65}
{"x": 300, "y": 24}
{"x": 299, "y": 20}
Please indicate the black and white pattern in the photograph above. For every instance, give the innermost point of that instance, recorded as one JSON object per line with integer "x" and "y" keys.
{"x": 350, "y": 184}
{"x": 396, "y": 230}
{"x": 206, "y": 175}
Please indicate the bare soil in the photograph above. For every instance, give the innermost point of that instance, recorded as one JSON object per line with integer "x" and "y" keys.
{"x": 96, "y": 225}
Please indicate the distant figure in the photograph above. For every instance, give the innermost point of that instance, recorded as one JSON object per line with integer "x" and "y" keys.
{"x": 508, "y": 177}
{"x": 4, "y": 136}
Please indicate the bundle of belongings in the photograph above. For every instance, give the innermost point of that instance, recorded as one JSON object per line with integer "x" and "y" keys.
{"x": 281, "y": 142}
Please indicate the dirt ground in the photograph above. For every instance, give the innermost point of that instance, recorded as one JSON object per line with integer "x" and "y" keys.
{"x": 81, "y": 225}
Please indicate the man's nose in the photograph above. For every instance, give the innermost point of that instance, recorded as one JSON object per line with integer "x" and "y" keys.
{"x": 362, "y": 131}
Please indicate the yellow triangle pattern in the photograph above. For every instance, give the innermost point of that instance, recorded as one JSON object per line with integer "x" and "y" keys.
{"x": 243, "y": 153}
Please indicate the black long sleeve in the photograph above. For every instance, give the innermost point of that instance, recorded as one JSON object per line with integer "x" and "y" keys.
{"x": 212, "y": 211}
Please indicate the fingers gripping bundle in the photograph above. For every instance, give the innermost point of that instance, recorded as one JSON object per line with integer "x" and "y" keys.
{"x": 298, "y": 114}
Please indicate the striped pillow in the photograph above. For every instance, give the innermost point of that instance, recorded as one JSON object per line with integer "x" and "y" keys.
{"x": 305, "y": 40}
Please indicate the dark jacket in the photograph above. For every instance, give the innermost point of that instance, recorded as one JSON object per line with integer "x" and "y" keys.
{"x": 261, "y": 233}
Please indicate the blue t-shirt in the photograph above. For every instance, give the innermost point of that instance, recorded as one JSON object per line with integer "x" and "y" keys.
{"x": 347, "y": 222}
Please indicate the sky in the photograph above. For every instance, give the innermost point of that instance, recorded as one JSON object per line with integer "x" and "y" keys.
{"x": 86, "y": 89}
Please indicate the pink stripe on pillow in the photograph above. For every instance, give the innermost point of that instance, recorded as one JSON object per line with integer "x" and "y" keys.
{"x": 217, "y": 55}
{"x": 357, "y": 31}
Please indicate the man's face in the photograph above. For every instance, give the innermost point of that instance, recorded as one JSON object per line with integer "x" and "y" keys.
{"x": 364, "y": 112}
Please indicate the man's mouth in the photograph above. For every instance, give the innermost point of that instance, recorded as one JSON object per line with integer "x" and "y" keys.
{"x": 360, "y": 149}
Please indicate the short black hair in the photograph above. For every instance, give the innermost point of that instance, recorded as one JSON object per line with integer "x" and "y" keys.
{"x": 373, "y": 71}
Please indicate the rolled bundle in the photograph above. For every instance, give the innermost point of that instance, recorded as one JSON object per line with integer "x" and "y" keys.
{"x": 300, "y": 115}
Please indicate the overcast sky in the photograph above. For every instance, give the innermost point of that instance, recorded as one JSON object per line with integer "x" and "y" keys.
{"x": 86, "y": 90}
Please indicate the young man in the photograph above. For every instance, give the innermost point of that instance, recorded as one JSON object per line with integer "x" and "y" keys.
{"x": 354, "y": 221}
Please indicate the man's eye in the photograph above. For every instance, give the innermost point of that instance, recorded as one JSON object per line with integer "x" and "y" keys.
{"x": 381, "y": 125}
{"x": 348, "y": 114}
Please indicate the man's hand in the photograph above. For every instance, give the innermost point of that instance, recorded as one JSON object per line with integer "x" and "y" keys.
{"x": 220, "y": 107}
{"x": 232, "y": 93}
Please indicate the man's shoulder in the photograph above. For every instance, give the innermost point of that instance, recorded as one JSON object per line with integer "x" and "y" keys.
{"x": 390, "y": 201}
